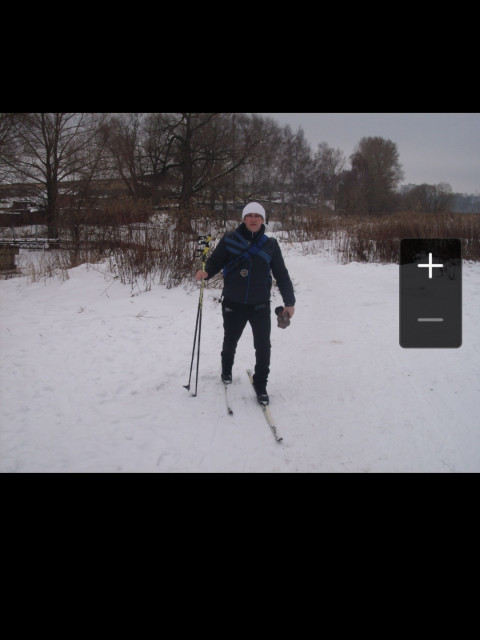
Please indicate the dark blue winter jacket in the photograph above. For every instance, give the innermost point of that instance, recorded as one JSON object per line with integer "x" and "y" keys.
{"x": 249, "y": 280}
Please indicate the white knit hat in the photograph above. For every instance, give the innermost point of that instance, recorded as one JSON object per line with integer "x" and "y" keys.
{"x": 253, "y": 207}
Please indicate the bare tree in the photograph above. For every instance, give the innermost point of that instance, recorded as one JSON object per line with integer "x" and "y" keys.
{"x": 246, "y": 156}
{"x": 329, "y": 164}
{"x": 123, "y": 137}
{"x": 266, "y": 159}
{"x": 190, "y": 156}
{"x": 159, "y": 149}
{"x": 295, "y": 166}
{"x": 427, "y": 198}
{"x": 51, "y": 150}
{"x": 377, "y": 171}
{"x": 7, "y": 146}
{"x": 82, "y": 196}
{"x": 211, "y": 147}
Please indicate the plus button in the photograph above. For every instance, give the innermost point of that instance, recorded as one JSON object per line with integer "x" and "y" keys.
{"x": 430, "y": 265}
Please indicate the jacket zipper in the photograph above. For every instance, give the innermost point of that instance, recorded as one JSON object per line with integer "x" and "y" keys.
{"x": 248, "y": 280}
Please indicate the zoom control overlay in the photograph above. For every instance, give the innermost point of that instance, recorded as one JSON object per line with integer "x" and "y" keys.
{"x": 430, "y": 293}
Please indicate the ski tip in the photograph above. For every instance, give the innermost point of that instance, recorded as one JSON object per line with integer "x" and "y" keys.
{"x": 187, "y": 387}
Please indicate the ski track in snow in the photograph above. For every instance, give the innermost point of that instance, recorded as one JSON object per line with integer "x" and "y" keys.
{"x": 92, "y": 380}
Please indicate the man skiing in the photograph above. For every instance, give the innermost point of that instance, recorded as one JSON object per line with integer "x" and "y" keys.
{"x": 248, "y": 259}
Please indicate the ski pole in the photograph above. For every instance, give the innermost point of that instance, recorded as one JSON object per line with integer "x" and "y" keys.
{"x": 199, "y": 328}
{"x": 187, "y": 386}
{"x": 202, "y": 240}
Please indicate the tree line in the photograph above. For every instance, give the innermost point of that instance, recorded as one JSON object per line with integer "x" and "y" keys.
{"x": 192, "y": 160}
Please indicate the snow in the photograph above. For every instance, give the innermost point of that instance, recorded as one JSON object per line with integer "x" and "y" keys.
{"x": 92, "y": 375}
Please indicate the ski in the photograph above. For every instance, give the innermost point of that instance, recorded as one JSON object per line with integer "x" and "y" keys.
{"x": 227, "y": 401}
{"x": 266, "y": 413}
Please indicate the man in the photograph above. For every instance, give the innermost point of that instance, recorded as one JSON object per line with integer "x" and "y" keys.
{"x": 248, "y": 259}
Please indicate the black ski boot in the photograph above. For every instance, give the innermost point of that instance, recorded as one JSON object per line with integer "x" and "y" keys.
{"x": 263, "y": 398}
{"x": 262, "y": 395}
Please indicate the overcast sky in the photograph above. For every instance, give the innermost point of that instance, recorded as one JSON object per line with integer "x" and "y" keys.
{"x": 432, "y": 147}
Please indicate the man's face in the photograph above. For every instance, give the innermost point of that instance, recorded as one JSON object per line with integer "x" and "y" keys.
{"x": 253, "y": 221}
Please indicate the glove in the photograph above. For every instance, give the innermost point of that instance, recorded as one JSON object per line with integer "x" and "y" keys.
{"x": 282, "y": 320}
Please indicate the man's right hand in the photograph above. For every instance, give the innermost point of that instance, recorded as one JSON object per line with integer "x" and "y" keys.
{"x": 201, "y": 275}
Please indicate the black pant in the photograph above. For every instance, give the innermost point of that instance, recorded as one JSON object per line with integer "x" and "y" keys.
{"x": 235, "y": 317}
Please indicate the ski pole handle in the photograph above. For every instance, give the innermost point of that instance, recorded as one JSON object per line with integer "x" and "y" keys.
{"x": 205, "y": 241}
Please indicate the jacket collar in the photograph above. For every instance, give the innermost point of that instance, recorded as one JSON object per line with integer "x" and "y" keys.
{"x": 249, "y": 235}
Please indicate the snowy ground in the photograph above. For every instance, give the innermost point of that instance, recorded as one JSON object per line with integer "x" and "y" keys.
{"x": 91, "y": 380}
